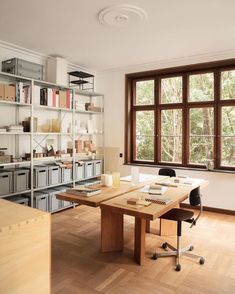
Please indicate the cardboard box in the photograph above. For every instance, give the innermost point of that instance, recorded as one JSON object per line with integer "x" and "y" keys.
{"x": 10, "y": 93}
{"x": 2, "y": 96}
{"x": 62, "y": 99}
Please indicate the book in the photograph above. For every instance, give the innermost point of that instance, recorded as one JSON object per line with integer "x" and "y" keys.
{"x": 158, "y": 199}
{"x": 84, "y": 191}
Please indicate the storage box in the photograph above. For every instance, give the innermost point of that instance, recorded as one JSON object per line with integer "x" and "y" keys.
{"x": 57, "y": 69}
{"x": 41, "y": 200}
{"x": 21, "y": 180}
{"x": 40, "y": 176}
{"x": 60, "y": 190}
{"x": 66, "y": 175}
{"x": 6, "y": 182}
{"x": 79, "y": 172}
{"x": 62, "y": 99}
{"x": 19, "y": 199}
{"x": 5, "y": 158}
{"x": 54, "y": 175}
{"x": 10, "y": 93}
{"x": 89, "y": 172}
{"x": 97, "y": 168}
{"x": 54, "y": 203}
{"x": 2, "y": 96}
{"x": 23, "y": 68}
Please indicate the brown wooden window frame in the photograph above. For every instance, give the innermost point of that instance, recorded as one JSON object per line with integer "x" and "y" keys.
{"x": 185, "y": 71}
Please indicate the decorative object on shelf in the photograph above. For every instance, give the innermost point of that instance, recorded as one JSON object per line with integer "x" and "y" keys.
{"x": 50, "y": 147}
{"x": 83, "y": 78}
{"x": 23, "y": 68}
{"x": 57, "y": 68}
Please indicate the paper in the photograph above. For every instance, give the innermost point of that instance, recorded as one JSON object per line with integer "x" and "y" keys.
{"x": 142, "y": 178}
{"x": 146, "y": 189}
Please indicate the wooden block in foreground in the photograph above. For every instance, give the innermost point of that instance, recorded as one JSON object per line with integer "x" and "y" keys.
{"x": 25, "y": 249}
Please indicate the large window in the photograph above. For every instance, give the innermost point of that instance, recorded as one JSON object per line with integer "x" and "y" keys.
{"x": 182, "y": 116}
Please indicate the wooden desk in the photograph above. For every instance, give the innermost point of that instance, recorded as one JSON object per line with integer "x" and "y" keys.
{"x": 25, "y": 255}
{"x": 106, "y": 193}
{"x": 112, "y": 212}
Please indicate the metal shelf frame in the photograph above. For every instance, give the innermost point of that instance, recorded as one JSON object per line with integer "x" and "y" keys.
{"x": 35, "y": 136}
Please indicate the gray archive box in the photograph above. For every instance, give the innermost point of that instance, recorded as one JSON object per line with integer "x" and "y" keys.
{"x": 61, "y": 189}
{"x": 54, "y": 203}
{"x": 23, "y": 68}
{"x": 66, "y": 175}
{"x": 89, "y": 172}
{"x": 79, "y": 171}
{"x": 21, "y": 180}
{"x": 54, "y": 175}
{"x": 41, "y": 200}
{"x": 97, "y": 167}
{"x": 19, "y": 199}
{"x": 6, "y": 183}
{"x": 40, "y": 176}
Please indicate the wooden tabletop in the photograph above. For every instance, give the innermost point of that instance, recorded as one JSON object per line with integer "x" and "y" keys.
{"x": 106, "y": 193}
{"x": 153, "y": 211}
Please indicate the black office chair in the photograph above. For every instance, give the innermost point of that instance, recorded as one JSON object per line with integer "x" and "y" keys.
{"x": 179, "y": 215}
{"x": 167, "y": 172}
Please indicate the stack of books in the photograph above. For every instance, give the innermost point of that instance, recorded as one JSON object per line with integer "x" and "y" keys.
{"x": 84, "y": 191}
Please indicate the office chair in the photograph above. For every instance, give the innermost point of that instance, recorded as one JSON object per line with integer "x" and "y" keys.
{"x": 179, "y": 215}
{"x": 167, "y": 172}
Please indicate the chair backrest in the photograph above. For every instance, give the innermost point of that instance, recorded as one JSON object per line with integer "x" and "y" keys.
{"x": 195, "y": 197}
{"x": 167, "y": 172}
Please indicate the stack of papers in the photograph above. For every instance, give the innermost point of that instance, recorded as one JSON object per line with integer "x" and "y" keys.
{"x": 153, "y": 189}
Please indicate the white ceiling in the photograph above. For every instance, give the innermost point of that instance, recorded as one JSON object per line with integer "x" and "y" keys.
{"x": 71, "y": 29}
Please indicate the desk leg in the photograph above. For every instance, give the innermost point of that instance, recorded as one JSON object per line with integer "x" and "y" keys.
{"x": 147, "y": 226}
{"x": 111, "y": 231}
{"x": 140, "y": 228}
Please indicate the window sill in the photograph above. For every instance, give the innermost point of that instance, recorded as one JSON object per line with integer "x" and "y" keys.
{"x": 182, "y": 168}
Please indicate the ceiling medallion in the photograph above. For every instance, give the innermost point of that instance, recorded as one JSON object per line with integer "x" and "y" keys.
{"x": 121, "y": 15}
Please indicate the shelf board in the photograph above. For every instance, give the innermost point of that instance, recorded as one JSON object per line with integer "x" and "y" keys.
{"x": 79, "y": 82}
{"x": 15, "y": 163}
{"x": 53, "y": 134}
{"x": 44, "y": 107}
{"x": 12, "y": 103}
{"x": 89, "y": 134}
{"x": 14, "y": 77}
{"x": 88, "y": 112}
{"x": 80, "y": 74}
{"x": 88, "y": 93}
{"x": 52, "y": 186}
{"x": 14, "y": 194}
{"x": 49, "y": 159}
{"x": 15, "y": 133}
{"x": 50, "y": 85}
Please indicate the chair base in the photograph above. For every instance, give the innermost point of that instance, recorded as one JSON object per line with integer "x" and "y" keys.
{"x": 178, "y": 252}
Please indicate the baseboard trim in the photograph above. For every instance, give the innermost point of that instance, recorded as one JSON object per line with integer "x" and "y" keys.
{"x": 207, "y": 208}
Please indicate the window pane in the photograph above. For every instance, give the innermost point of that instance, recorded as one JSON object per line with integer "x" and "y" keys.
{"x": 228, "y": 121}
{"x": 228, "y": 84}
{"x": 201, "y": 143}
{"x": 201, "y": 149}
{"x": 171, "y": 135}
{"x": 145, "y": 92}
{"x": 145, "y": 135}
{"x": 171, "y": 90}
{"x": 201, "y": 87}
{"x": 228, "y": 136}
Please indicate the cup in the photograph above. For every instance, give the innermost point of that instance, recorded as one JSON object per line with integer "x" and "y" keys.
{"x": 134, "y": 175}
{"x": 116, "y": 179}
{"x": 106, "y": 180}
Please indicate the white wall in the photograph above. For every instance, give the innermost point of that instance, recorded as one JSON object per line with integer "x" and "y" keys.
{"x": 221, "y": 191}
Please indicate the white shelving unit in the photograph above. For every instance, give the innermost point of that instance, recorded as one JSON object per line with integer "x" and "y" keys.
{"x": 9, "y": 78}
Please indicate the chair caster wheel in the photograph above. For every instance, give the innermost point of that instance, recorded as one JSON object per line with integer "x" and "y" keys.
{"x": 164, "y": 245}
{"x": 191, "y": 248}
{"x": 202, "y": 260}
{"x": 154, "y": 257}
{"x": 178, "y": 268}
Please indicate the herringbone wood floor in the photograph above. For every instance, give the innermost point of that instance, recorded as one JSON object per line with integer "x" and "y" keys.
{"x": 79, "y": 267}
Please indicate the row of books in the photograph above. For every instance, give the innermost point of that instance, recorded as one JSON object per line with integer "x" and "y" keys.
{"x": 23, "y": 94}
{"x": 53, "y": 98}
